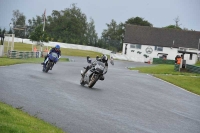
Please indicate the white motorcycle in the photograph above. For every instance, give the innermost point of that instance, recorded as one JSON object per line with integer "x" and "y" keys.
{"x": 93, "y": 74}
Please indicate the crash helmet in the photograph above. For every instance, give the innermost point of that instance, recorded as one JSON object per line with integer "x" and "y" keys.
{"x": 57, "y": 47}
{"x": 104, "y": 58}
{"x": 97, "y": 57}
{"x": 88, "y": 56}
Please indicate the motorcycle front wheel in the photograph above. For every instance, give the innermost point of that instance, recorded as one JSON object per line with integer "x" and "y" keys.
{"x": 93, "y": 81}
{"x": 49, "y": 64}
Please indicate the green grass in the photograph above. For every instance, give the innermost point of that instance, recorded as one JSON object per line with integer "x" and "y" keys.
{"x": 76, "y": 52}
{"x": 161, "y": 69}
{"x": 188, "y": 81}
{"x": 4, "y": 61}
{"x": 198, "y": 63}
{"x": 19, "y": 46}
{"x": 15, "y": 121}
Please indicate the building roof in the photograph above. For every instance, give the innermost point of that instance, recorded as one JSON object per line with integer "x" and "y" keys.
{"x": 161, "y": 36}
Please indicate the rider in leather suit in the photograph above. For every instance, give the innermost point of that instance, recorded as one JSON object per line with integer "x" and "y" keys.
{"x": 103, "y": 59}
{"x": 56, "y": 49}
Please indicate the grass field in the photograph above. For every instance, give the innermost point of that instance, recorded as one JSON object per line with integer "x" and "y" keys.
{"x": 4, "y": 61}
{"x": 198, "y": 63}
{"x": 16, "y": 121}
{"x": 188, "y": 81}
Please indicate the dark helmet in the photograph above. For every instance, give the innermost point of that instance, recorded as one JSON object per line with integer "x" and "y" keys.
{"x": 104, "y": 58}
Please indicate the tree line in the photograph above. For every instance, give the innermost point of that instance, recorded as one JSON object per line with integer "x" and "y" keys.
{"x": 71, "y": 26}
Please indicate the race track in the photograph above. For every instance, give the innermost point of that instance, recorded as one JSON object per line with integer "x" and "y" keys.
{"x": 125, "y": 102}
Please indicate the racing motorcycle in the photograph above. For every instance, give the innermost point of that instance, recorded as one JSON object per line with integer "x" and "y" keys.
{"x": 51, "y": 60}
{"x": 93, "y": 74}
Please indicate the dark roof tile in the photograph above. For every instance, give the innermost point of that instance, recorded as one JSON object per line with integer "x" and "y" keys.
{"x": 161, "y": 36}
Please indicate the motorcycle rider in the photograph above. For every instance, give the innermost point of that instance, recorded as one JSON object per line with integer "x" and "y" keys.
{"x": 88, "y": 59}
{"x": 103, "y": 59}
{"x": 111, "y": 60}
{"x": 97, "y": 57}
{"x": 57, "y": 50}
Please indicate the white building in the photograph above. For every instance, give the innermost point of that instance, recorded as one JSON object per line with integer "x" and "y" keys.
{"x": 143, "y": 41}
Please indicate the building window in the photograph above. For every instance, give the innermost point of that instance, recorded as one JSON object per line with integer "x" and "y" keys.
{"x": 157, "y": 48}
{"x": 135, "y": 46}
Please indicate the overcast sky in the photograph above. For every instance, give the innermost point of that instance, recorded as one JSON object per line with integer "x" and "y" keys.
{"x": 160, "y": 13}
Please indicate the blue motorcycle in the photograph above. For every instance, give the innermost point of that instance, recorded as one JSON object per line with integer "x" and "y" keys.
{"x": 51, "y": 60}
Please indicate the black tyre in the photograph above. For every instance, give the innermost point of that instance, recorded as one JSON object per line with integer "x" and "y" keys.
{"x": 93, "y": 82}
{"x": 47, "y": 67}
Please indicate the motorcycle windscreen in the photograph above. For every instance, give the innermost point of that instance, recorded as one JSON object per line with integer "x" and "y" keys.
{"x": 99, "y": 67}
{"x": 53, "y": 56}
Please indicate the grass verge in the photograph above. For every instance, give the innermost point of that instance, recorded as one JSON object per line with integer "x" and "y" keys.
{"x": 198, "y": 63}
{"x": 4, "y": 61}
{"x": 15, "y": 121}
{"x": 190, "y": 83}
{"x": 187, "y": 81}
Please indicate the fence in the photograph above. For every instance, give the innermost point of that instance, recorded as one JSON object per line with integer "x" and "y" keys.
{"x": 194, "y": 69}
{"x": 189, "y": 68}
{"x": 162, "y": 61}
{"x": 23, "y": 54}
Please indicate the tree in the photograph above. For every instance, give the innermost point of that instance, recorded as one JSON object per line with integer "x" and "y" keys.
{"x": 38, "y": 35}
{"x": 18, "y": 21}
{"x": 177, "y": 21}
{"x": 91, "y": 34}
{"x": 176, "y": 26}
{"x": 33, "y": 23}
{"x": 10, "y": 31}
{"x": 138, "y": 21}
{"x": 69, "y": 25}
{"x": 2, "y": 31}
{"x": 172, "y": 27}
{"x": 112, "y": 36}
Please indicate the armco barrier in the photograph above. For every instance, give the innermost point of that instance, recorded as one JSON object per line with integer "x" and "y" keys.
{"x": 192, "y": 68}
{"x": 189, "y": 68}
{"x": 23, "y": 54}
{"x": 162, "y": 61}
{"x": 176, "y": 67}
